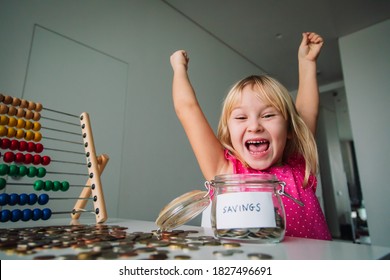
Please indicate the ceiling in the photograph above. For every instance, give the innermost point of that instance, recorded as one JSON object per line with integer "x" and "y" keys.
{"x": 267, "y": 33}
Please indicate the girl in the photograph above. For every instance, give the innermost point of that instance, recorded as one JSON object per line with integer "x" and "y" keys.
{"x": 261, "y": 131}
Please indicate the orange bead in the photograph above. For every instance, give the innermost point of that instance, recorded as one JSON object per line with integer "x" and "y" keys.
{"x": 7, "y": 99}
{"x": 12, "y": 111}
{"x": 31, "y": 106}
{"x": 16, "y": 101}
{"x": 29, "y": 135}
{"x": 29, "y": 115}
{"x": 21, "y": 113}
{"x": 3, "y": 109}
{"x": 11, "y": 132}
{"x": 3, "y": 130}
{"x": 21, "y": 123}
{"x": 37, "y": 136}
{"x": 23, "y": 103}
{"x": 19, "y": 134}
{"x": 4, "y": 120}
{"x": 38, "y": 107}
{"x": 12, "y": 121}
{"x": 37, "y": 116}
{"x": 29, "y": 125}
{"x": 36, "y": 126}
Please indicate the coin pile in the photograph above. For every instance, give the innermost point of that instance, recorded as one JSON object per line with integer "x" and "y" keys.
{"x": 91, "y": 242}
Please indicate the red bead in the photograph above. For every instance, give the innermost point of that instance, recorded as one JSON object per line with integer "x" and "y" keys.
{"x": 5, "y": 143}
{"x": 45, "y": 160}
{"x": 30, "y": 147}
{"x": 38, "y": 147}
{"x": 23, "y": 146}
{"x": 28, "y": 158}
{"x": 19, "y": 157}
{"x": 14, "y": 145}
{"x": 37, "y": 159}
{"x": 9, "y": 157}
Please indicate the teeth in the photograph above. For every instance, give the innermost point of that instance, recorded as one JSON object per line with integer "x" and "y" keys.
{"x": 255, "y": 142}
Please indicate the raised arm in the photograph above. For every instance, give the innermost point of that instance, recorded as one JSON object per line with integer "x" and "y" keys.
{"x": 307, "y": 100}
{"x": 207, "y": 148}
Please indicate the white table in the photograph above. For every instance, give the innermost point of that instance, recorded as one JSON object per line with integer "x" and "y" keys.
{"x": 289, "y": 248}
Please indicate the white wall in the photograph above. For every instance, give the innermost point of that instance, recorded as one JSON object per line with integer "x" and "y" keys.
{"x": 366, "y": 61}
{"x": 157, "y": 163}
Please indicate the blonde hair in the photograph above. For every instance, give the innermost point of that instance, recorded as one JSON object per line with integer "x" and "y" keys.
{"x": 271, "y": 91}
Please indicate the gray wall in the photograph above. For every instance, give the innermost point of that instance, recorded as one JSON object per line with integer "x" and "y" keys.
{"x": 366, "y": 61}
{"x": 156, "y": 162}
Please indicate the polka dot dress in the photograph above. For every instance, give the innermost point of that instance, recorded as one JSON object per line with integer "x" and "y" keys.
{"x": 307, "y": 221}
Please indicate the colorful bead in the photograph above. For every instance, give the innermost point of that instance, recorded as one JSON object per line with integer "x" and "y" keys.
{"x": 41, "y": 172}
{"x": 65, "y": 186}
{"x": 4, "y": 169}
{"x": 43, "y": 199}
{"x": 39, "y": 185}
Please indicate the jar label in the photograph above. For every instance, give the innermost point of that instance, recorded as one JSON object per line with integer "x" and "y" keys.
{"x": 245, "y": 210}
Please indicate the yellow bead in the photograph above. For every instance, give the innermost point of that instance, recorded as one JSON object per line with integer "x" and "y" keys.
{"x": 19, "y": 134}
{"x": 11, "y": 132}
{"x": 4, "y": 120}
{"x": 21, "y": 123}
{"x": 3, "y": 130}
{"x": 37, "y": 137}
{"x": 29, "y": 125}
{"x": 29, "y": 135}
{"x": 12, "y": 121}
{"x": 37, "y": 126}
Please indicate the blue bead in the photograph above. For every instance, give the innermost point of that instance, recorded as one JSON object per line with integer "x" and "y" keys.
{"x": 26, "y": 215}
{"x": 5, "y": 215}
{"x": 46, "y": 214}
{"x": 16, "y": 215}
{"x": 13, "y": 199}
{"x": 4, "y": 199}
{"x": 23, "y": 199}
{"x": 36, "y": 214}
{"x": 33, "y": 199}
{"x": 43, "y": 199}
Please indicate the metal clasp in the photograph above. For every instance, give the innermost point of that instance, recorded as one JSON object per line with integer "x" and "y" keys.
{"x": 283, "y": 192}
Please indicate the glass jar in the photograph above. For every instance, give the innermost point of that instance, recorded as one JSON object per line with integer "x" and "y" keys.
{"x": 247, "y": 208}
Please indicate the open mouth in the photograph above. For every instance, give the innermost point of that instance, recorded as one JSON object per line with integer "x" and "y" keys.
{"x": 257, "y": 146}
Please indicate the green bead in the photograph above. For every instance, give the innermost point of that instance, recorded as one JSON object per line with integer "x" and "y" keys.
{"x": 4, "y": 168}
{"x": 23, "y": 171}
{"x": 38, "y": 185}
{"x": 48, "y": 186}
{"x": 41, "y": 172}
{"x": 13, "y": 170}
{"x": 3, "y": 182}
{"x": 65, "y": 186}
{"x": 56, "y": 186}
{"x": 32, "y": 171}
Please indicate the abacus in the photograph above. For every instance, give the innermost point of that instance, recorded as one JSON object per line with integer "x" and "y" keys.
{"x": 25, "y": 162}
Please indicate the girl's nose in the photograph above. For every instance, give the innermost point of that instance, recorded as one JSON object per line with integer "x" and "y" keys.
{"x": 254, "y": 125}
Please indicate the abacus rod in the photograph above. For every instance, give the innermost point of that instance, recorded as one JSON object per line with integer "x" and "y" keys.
{"x": 66, "y": 173}
{"x": 60, "y": 130}
{"x": 64, "y": 198}
{"x": 47, "y": 118}
{"x": 65, "y": 151}
{"x": 74, "y": 211}
{"x": 27, "y": 185}
{"x": 72, "y": 162}
{"x": 62, "y": 140}
{"x": 61, "y": 112}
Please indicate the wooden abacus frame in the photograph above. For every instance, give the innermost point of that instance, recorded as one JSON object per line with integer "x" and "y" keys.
{"x": 30, "y": 110}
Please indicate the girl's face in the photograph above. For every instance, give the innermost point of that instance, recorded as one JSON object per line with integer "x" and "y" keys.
{"x": 258, "y": 131}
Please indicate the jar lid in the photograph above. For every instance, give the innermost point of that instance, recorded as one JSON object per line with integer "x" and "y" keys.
{"x": 245, "y": 178}
{"x": 182, "y": 209}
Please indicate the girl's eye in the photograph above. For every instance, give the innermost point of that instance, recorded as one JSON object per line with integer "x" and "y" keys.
{"x": 267, "y": 116}
{"x": 240, "y": 118}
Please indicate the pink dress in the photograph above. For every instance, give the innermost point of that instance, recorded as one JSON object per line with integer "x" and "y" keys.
{"x": 307, "y": 221}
